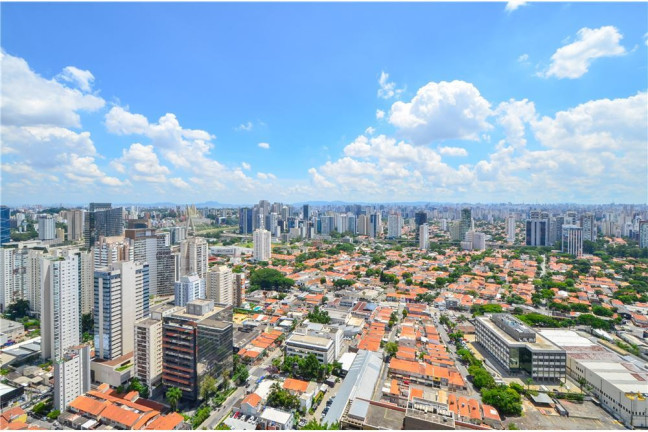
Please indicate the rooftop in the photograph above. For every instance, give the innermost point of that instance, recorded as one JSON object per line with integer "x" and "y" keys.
{"x": 540, "y": 344}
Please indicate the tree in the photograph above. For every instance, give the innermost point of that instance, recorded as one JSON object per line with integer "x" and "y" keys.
{"x": 391, "y": 348}
{"x": 269, "y": 279}
{"x": 136, "y": 385}
{"x": 456, "y": 337}
{"x": 173, "y": 396}
{"x": 319, "y": 316}
{"x": 506, "y": 400}
{"x": 53, "y": 415}
{"x": 528, "y": 383}
{"x": 207, "y": 387}
{"x": 282, "y": 398}
{"x": 17, "y": 310}
{"x": 481, "y": 377}
{"x": 581, "y": 382}
{"x": 404, "y": 313}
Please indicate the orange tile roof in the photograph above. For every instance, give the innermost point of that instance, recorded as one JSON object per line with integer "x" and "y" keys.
{"x": 295, "y": 385}
{"x": 88, "y": 405}
{"x": 168, "y": 422}
{"x": 252, "y": 399}
{"x": 120, "y": 415}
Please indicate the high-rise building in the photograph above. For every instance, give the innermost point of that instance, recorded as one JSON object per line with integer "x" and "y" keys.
{"x": 189, "y": 288}
{"x": 572, "y": 240}
{"x": 74, "y": 219}
{"x": 352, "y": 224}
{"x": 197, "y": 343}
{"x": 465, "y": 223}
{"x": 102, "y": 220}
{"x": 589, "y": 227}
{"x": 194, "y": 256}
{"x": 5, "y": 230}
{"x": 262, "y": 245}
{"x": 424, "y": 236}
{"x": 643, "y": 234}
{"x": 420, "y": 218}
{"x": 86, "y": 280}
{"x": 306, "y": 211}
{"x": 112, "y": 250}
{"x": 60, "y": 305}
{"x": 363, "y": 225}
{"x": 46, "y": 227}
{"x": 239, "y": 289}
{"x": 537, "y": 230}
{"x": 327, "y": 223}
{"x": 168, "y": 269}
{"x": 245, "y": 220}
{"x": 147, "y": 357}
{"x": 220, "y": 285}
{"x": 510, "y": 229}
{"x": 71, "y": 376}
{"x": 375, "y": 225}
{"x": 121, "y": 298}
{"x": 394, "y": 225}
{"x": 178, "y": 234}
{"x": 34, "y": 282}
{"x": 558, "y": 222}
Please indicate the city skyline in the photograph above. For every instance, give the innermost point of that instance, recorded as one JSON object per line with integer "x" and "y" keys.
{"x": 432, "y": 103}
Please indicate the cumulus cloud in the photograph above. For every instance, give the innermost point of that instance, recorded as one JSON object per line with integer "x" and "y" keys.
{"x": 143, "y": 164}
{"x": 387, "y": 89}
{"x": 380, "y": 114}
{"x": 264, "y": 145}
{"x": 512, "y": 5}
{"x": 444, "y": 110}
{"x": 512, "y": 116}
{"x": 31, "y": 100}
{"x": 523, "y": 58}
{"x": 453, "y": 151}
{"x": 573, "y": 60}
{"x": 246, "y": 166}
{"x": 81, "y": 78}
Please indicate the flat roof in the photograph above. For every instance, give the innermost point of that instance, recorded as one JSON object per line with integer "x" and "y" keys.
{"x": 565, "y": 338}
{"x": 275, "y": 415}
{"x": 541, "y": 343}
{"x": 310, "y": 340}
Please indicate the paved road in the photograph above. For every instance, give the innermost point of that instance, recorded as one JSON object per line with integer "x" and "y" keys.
{"x": 217, "y": 415}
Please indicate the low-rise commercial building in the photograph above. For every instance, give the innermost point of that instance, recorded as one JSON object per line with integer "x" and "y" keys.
{"x": 620, "y": 383}
{"x": 302, "y": 345}
{"x": 519, "y": 349}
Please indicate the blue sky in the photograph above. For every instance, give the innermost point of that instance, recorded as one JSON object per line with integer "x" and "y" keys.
{"x": 482, "y": 102}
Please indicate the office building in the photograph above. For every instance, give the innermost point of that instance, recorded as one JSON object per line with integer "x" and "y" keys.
{"x": 102, "y": 220}
{"x": 617, "y": 382}
{"x": 74, "y": 220}
{"x": 193, "y": 257}
{"x": 189, "y": 288}
{"x": 572, "y": 240}
{"x": 510, "y": 229}
{"x": 302, "y": 345}
{"x": 197, "y": 342}
{"x": 375, "y": 225}
{"x": 121, "y": 294}
{"x": 519, "y": 349}
{"x": 71, "y": 376}
{"x": 306, "y": 212}
{"x": 394, "y": 226}
{"x": 420, "y": 218}
{"x": 60, "y": 305}
{"x": 643, "y": 234}
{"x": 177, "y": 234}
{"x": 168, "y": 268}
{"x": 363, "y": 225}
{"x": 465, "y": 223}
{"x": 245, "y": 220}
{"x": 5, "y": 230}
{"x": 46, "y": 227}
{"x": 262, "y": 245}
{"x": 537, "y": 230}
{"x": 424, "y": 236}
{"x": 588, "y": 226}
{"x": 220, "y": 285}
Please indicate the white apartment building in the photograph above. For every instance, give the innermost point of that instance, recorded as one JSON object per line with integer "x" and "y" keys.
{"x": 147, "y": 356}
{"x": 194, "y": 256}
{"x": 424, "y": 237}
{"x": 394, "y": 226}
{"x": 60, "y": 305}
{"x": 262, "y": 245}
{"x": 71, "y": 376}
{"x": 220, "y": 285}
{"x": 302, "y": 345}
{"x": 510, "y": 229}
{"x": 46, "y": 227}
{"x": 189, "y": 288}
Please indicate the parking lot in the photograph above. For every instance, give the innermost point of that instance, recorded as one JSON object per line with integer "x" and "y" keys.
{"x": 585, "y": 416}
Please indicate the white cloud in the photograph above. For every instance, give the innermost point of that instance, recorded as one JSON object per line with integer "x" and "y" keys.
{"x": 179, "y": 183}
{"x": 244, "y": 127}
{"x": 573, "y": 60}
{"x": 319, "y": 180}
{"x": 445, "y": 110}
{"x": 512, "y": 5}
{"x": 143, "y": 164}
{"x": 246, "y": 166}
{"x": 266, "y": 176}
{"x": 380, "y": 114}
{"x": 387, "y": 89}
{"x": 121, "y": 122}
{"x": 523, "y": 58}
{"x": 453, "y": 151}
{"x": 31, "y": 100}
{"x": 370, "y": 130}
{"x": 264, "y": 145}
{"x": 512, "y": 116}
{"x": 81, "y": 78}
